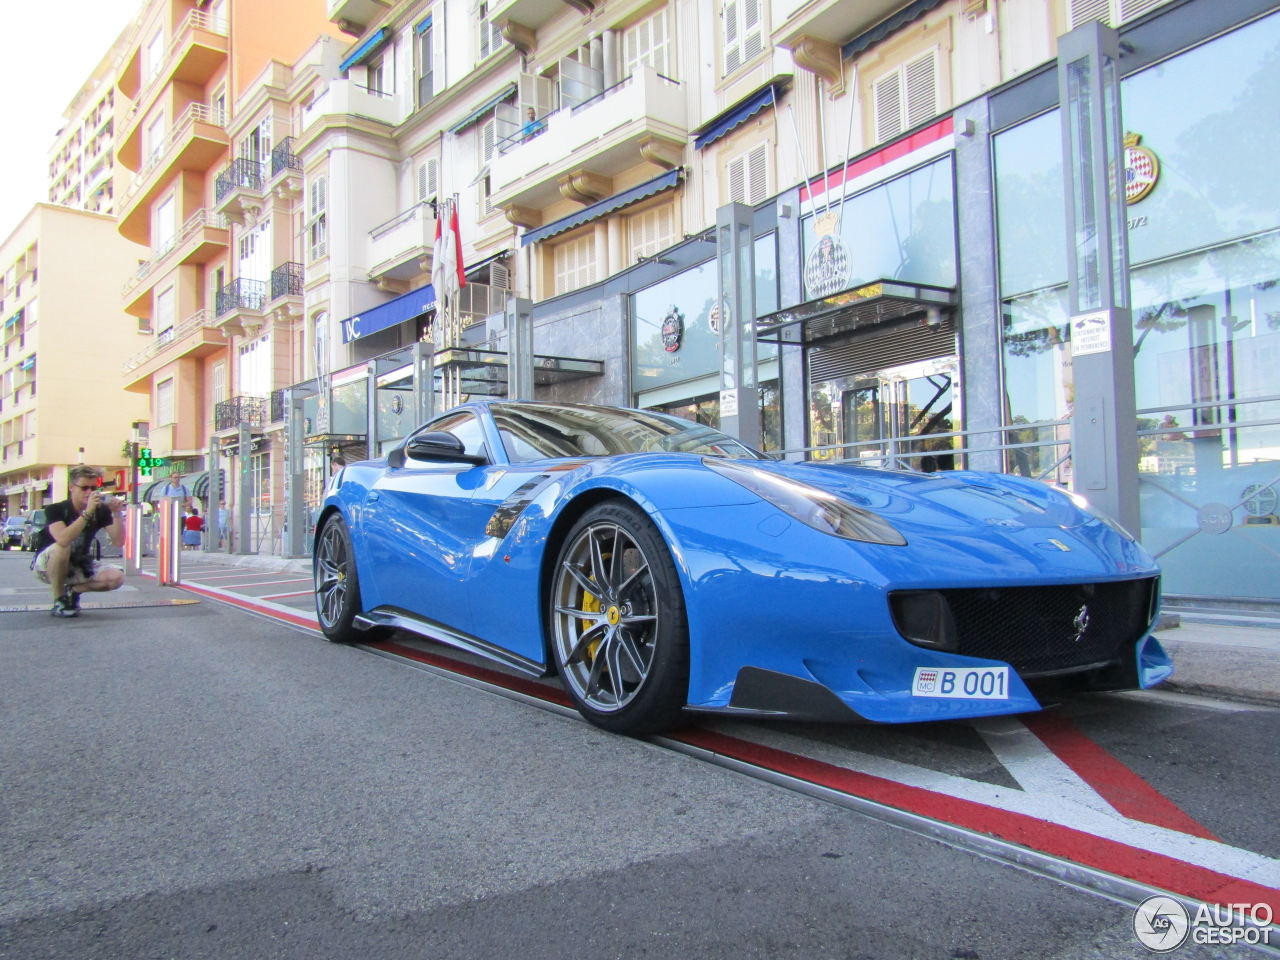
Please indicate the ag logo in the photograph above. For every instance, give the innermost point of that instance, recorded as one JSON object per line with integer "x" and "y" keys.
{"x": 1141, "y": 169}
{"x": 672, "y": 330}
{"x": 826, "y": 269}
{"x": 1161, "y": 923}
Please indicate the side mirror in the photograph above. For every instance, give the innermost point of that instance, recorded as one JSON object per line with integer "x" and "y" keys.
{"x": 442, "y": 446}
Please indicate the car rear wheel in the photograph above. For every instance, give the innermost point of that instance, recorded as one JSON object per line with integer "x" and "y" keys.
{"x": 336, "y": 583}
{"x": 618, "y": 628}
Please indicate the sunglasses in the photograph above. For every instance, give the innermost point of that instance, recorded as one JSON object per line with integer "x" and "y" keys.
{"x": 80, "y": 486}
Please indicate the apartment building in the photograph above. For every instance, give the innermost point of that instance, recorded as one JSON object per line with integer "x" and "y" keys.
{"x": 61, "y": 345}
{"x": 902, "y": 163}
{"x": 185, "y": 69}
{"x": 84, "y": 171}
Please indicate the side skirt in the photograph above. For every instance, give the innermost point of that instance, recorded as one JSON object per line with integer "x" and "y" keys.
{"x": 403, "y": 620}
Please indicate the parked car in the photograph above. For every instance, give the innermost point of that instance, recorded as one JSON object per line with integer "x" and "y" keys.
{"x": 35, "y": 523}
{"x": 15, "y": 529}
{"x": 662, "y": 567}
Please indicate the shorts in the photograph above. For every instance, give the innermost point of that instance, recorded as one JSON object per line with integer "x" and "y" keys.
{"x": 74, "y": 573}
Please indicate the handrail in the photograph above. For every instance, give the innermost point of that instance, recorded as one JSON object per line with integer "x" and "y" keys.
{"x": 198, "y": 319}
{"x": 401, "y": 217}
{"x": 196, "y": 19}
{"x": 195, "y": 113}
{"x": 197, "y": 221}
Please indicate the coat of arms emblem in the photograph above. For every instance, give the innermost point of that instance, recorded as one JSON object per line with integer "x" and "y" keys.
{"x": 826, "y": 268}
{"x": 1141, "y": 169}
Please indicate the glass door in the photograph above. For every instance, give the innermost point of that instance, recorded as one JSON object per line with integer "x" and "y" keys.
{"x": 894, "y": 417}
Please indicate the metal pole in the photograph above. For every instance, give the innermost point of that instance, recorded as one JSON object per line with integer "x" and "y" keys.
{"x": 519, "y": 349}
{"x": 244, "y": 497}
{"x": 735, "y": 255}
{"x": 294, "y": 503}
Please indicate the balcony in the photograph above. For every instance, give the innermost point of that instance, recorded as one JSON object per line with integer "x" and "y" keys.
{"x": 202, "y": 237}
{"x": 400, "y": 249}
{"x": 643, "y": 118}
{"x": 196, "y": 51}
{"x": 239, "y": 307}
{"x": 352, "y": 16}
{"x": 277, "y": 406}
{"x": 195, "y": 142}
{"x": 346, "y": 98}
{"x": 533, "y": 14}
{"x": 285, "y": 291}
{"x": 238, "y": 190}
{"x": 285, "y": 177}
{"x": 196, "y": 336}
{"x": 829, "y": 21}
{"x": 229, "y": 414}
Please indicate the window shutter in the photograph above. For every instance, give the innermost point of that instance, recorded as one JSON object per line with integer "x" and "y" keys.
{"x": 736, "y": 170}
{"x": 758, "y": 174}
{"x": 487, "y": 132}
{"x": 888, "y": 106}
{"x": 921, "y": 81}
{"x": 1085, "y": 11}
{"x": 499, "y": 276}
{"x": 428, "y": 179}
{"x": 1131, "y": 9}
{"x": 732, "y": 51}
{"x": 752, "y": 30}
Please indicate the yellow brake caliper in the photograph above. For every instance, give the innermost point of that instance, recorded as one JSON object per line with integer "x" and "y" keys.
{"x": 591, "y": 604}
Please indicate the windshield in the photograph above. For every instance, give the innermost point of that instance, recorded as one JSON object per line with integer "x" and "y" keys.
{"x": 537, "y": 432}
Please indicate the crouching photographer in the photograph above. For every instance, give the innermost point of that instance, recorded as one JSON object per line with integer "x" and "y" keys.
{"x": 63, "y": 548}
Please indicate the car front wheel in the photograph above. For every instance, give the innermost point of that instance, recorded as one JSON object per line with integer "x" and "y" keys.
{"x": 618, "y": 628}
{"x": 336, "y": 583}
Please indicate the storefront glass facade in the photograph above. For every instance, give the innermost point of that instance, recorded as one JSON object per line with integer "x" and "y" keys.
{"x": 1205, "y": 286}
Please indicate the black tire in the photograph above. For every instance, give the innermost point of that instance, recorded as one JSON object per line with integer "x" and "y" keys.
{"x": 337, "y": 584}
{"x": 618, "y": 629}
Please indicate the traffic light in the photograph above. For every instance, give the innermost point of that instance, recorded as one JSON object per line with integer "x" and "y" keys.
{"x": 145, "y": 462}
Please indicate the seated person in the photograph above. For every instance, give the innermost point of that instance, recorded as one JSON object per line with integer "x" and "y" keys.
{"x": 63, "y": 558}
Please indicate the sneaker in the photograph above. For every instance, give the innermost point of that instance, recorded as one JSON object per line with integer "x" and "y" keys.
{"x": 62, "y": 607}
{"x": 72, "y": 599}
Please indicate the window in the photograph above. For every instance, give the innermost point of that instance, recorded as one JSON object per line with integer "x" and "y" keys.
{"x": 257, "y": 145}
{"x": 155, "y": 138}
{"x": 1111, "y": 12}
{"x": 743, "y": 32}
{"x": 651, "y": 231}
{"x": 646, "y": 44}
{"x": 154, "y": 57}
{"x": 164, "y": 402}
{"x": 254, "y": 368}
{"x": 375, "y": 76}
{"x": 467, "y": 429}
{"x": 426, "y": 61}
{"x": 218, "y": 106}
{"x": 748, "y": 176}
{"x": 219, "y": 382}
{"x": 166, "y": 225}
{"x": 164, "y": 313}
{"x": 490, "y": 34}
{"x": 319, "y": 336}
{"x": 317, "y": 228}
{"x": 574, "y": 263}
{"x": 906, "y": 97}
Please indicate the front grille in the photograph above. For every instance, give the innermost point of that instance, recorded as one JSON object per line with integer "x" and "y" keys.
{"x": 1036, "y": 630}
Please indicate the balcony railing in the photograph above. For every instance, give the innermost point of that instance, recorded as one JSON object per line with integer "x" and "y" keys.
{"x": 286, "y": 281}
{"x": 229, "y": 414}
{"x": 200, "y": 220}
{"x": 241, "y": 294}
{"x": 242, "y": 172}
{"x": 283, "y": 158}
{"x": 277, "y": 406}
{"x": 181, "y": 129}
{"x": 198, "y": 319}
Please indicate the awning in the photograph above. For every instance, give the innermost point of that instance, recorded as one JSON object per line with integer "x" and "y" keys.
{"x": 871, "y": 303}
{"x": 423, "y": 27}
{"x": 729, "y": 120}
{"x": 196, "y": 483}
{"x": 479, "y": 112}
{"x": 366, "y": 49}
{"x": 28, "y": 363}
{"x": 604, "y": 207}
{"x": 485, "y": 372}
{"x": 13, "y": 319}
{"x": 884, "y": 28}
{"x": 405, "y": 307}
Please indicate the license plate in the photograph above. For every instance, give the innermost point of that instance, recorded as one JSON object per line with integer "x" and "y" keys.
{"x": 962, "y": 683}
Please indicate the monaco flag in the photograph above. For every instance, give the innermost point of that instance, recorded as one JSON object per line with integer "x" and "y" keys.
{"x": 447, "y": 275}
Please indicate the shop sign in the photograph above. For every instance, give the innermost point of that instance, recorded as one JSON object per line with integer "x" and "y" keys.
{"x": 1141, "y": 169}
{"x": 672, "y": 330}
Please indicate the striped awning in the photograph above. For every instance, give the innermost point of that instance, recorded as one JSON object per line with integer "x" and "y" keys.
{"x": 367, "y": 49}
{"x": 604, "y": 207}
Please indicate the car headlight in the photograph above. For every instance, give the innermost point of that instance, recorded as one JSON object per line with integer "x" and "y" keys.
{"x": 811, "y": 506}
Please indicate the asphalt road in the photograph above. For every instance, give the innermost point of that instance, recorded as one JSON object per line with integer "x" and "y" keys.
{"x": 192, "y": 781}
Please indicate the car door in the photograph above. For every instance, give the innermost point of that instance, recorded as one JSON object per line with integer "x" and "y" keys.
{"x": 419, "y": 526}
